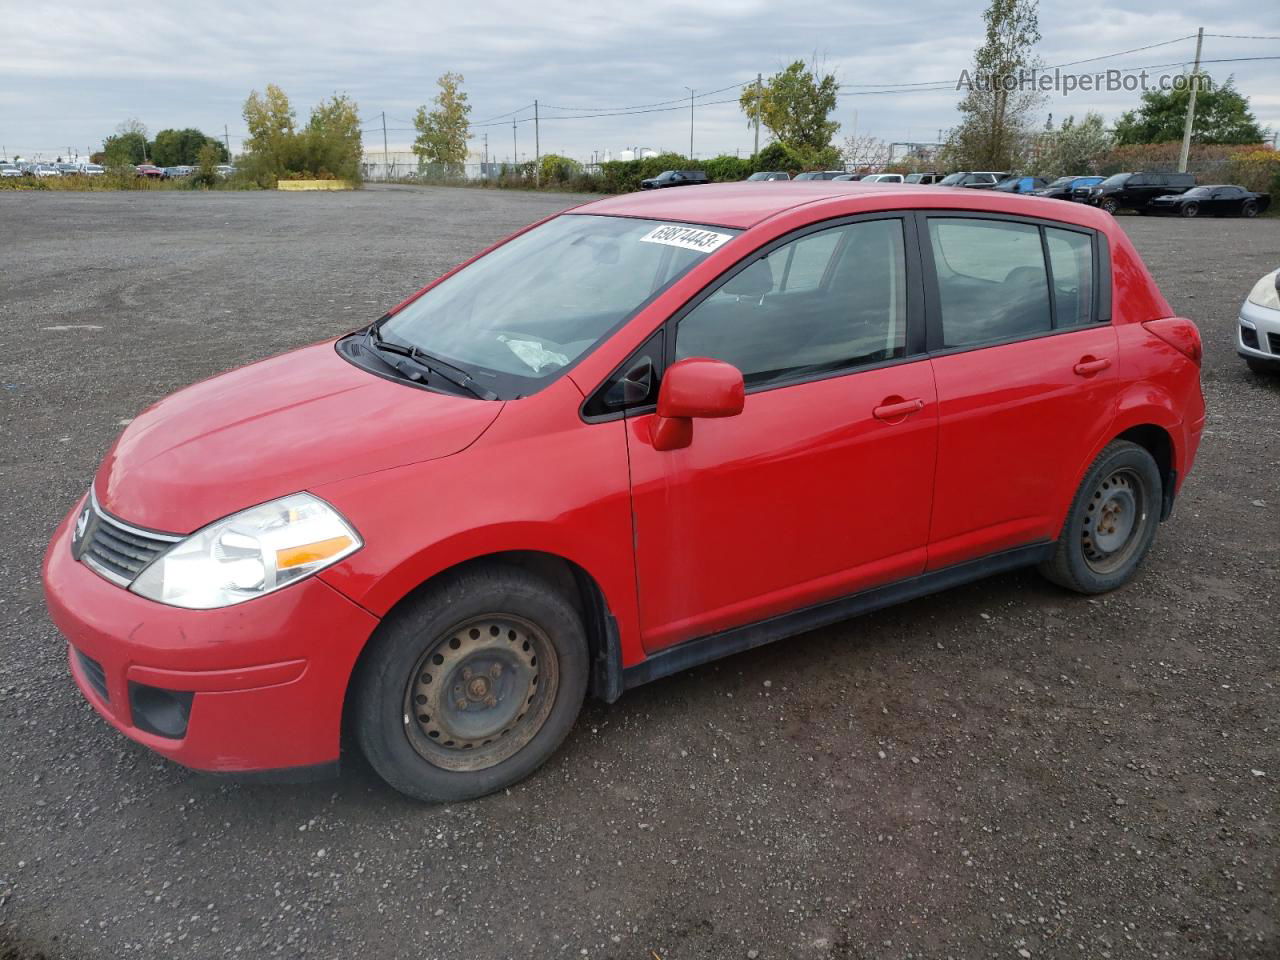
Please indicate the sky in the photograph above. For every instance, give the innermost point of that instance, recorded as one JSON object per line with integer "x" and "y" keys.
{"x": 66, "y": 81}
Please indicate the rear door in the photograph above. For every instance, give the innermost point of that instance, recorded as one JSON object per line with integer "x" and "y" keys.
{"x": 821, "y": 486}
{"x": 1024, "y": 358}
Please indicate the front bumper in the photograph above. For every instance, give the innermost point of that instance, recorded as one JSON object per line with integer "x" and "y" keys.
{"x": 263, "y": 682}
{"x": 1258, "y": 333}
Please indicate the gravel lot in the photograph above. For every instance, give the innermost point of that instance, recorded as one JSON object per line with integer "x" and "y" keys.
{"x": 1003, "y": 770}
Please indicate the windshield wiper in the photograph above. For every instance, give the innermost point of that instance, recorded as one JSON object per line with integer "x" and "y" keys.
{"x": 423, "y": 365}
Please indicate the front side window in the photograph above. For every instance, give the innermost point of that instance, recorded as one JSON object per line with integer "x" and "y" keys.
{"x": 827, "y": 301}
{"x": 992, "y": 283}
{"x": 518, "y": 316}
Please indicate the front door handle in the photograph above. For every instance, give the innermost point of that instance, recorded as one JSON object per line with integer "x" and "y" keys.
{"x": 894, "y": 409}
{"x": 1088, "y": 365}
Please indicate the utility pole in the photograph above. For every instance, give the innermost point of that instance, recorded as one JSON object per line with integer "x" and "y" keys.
{"x": 690, "y": 89}
{"x": 227, "y": 139}
{"x": 1191, "y": 106}
{"x": 537, "y": 149}
{"x": 485, "y": 168}
{"x": 759, "y": 94}
{"x": 515, "y": 155}
{"x": 386, "y": 163}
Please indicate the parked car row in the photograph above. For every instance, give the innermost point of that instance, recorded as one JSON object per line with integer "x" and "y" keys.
{"x": 58, "y": 169}
{"x": 65, "y": 169}
{"x": 1146, "y": 192}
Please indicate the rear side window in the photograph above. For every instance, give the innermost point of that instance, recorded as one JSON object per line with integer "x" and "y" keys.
{"x": 1071, "y": 259}
{"x": 827, "y": 301}
{"x": 992, "y": 282}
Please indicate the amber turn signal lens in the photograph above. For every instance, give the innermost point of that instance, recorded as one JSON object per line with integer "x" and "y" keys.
{"x": 310, "y": 552}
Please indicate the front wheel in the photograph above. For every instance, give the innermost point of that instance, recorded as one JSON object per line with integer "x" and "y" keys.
{"x": 471, "y": 686}
{"x": 1191, "y": 209}
{"x": 1110, "y": 206}
{"x": 1111, "y": 523}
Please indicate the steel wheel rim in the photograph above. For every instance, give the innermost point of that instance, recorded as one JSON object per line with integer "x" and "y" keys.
{"x": 1113, "y": 521}
{"x": 480, "y": 692}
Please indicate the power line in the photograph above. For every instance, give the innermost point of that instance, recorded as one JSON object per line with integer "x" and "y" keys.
{"x": 660, "y": 103}
{"x": 936, "y": 86}
{"x": 1237, "y": 36}
{"x": 1056, "y": 66}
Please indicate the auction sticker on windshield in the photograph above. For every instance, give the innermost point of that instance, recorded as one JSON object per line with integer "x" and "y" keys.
{"x": 691, "y": 238}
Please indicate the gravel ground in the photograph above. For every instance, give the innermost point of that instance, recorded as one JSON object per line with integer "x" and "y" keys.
{"x": 1003, "y": 770}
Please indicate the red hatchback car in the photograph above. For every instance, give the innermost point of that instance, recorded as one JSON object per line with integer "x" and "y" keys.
{"x": 635, "y": 437}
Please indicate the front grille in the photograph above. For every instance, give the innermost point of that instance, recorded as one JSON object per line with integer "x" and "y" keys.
{"x": 1273, "y": 341}
{"x": 113, "y": 548}
{"x": 94, "y": 674}
{"x": 1249, "y": 337}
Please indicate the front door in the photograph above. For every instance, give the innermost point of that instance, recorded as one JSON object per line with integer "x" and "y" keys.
{"x": 821, "y": 486}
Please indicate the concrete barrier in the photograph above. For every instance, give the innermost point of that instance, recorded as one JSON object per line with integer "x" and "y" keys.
{"x": 313, "y": 185}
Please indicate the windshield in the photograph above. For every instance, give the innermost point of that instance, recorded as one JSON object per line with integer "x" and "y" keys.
{"x": 1116, "y": 180}
{"x": 951, "y": 179}
{"x": 518, "y": 316}
{"x": 1197, "y": 192}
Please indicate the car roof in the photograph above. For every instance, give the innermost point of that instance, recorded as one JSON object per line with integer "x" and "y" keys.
{"x": 741, "y": 206}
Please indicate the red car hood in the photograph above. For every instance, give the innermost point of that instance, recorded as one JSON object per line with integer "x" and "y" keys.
{"x": 286, "y": 424}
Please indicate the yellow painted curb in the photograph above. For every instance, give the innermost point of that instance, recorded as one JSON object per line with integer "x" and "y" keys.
{"x": 313, "y": 185}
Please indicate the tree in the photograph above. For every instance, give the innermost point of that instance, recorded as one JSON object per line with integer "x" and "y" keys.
{"x": 1222, "y": 116}
{"x": 795, "y": 105}
{"x": 207, "y": 161}
{"x": 996, "y": 112}
{"x": 864, "y": 151}
{"x": 444, "y": 131}
{"x": 333, "y": 144}
{"x": 127, "y": 145}
{"x": 1075, "y": 148}
{"x": 270, "y": 149}
{"x": 182, "y": 147}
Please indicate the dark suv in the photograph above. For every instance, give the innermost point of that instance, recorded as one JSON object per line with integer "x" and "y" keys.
{"x": 974, "y": 179}
{"x": 674, "y": 178}
{"x": 1135, "y": 191}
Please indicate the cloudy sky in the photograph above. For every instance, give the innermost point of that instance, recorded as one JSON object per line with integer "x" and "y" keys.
{"x": 68, "y": 80}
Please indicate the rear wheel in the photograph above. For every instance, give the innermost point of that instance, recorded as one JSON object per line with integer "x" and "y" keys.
{"x": 1111, "y": 524}
{"x": 1191, "y": 209}
{"x": 1250, "y": 209}
{"x": 471, "y": 686}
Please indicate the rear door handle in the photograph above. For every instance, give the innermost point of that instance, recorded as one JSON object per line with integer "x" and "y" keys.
{"x": 1088, "y": 366}
{"x": 895, "y": 409}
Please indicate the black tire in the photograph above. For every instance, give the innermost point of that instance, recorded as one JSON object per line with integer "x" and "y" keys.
{"x": 1250, "y": 209}
{"x": 1109, "y": 205}
{"x": 492, "y": 618}
{"x": 1097, "y": 550}
{"x": 1191, "y": 209}
{"x": 1263, "y": 367}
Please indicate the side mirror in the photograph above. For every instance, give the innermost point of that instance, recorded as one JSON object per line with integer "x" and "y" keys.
{"x": 696, "y": 387}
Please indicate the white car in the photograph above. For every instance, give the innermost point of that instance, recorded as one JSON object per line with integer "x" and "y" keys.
{"x": 45, "y": 170}
{"x": 92, "y": 169}
{"x": 9, "y": 169}
{"x": 1258, "y": 340}
{"x": 883, "y": 178}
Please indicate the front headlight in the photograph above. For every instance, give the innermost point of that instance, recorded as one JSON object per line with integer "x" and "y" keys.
{"x": 1265, "y": 293}
{"x": 249, "y": 554}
